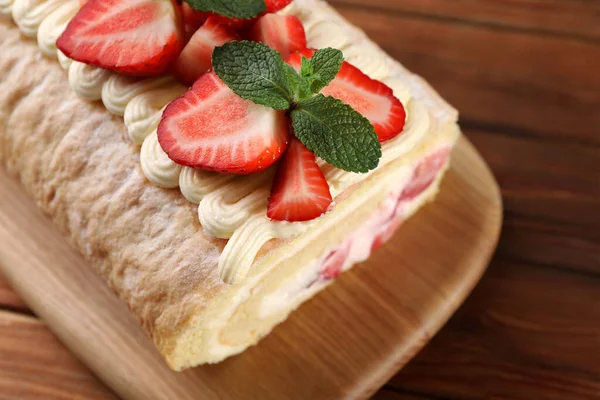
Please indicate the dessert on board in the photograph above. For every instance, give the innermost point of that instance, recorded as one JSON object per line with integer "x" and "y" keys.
{"x": 218, "y": 163}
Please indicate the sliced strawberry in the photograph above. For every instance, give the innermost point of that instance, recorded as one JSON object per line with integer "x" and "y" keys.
{"x": 373, "y": 99}
{"x": 276, "y": 5}
{"x": 196, "y": 57}
{"x": 300, "y": 191}
{"x": 241, "y": 25}
{"x": 192, "y": 19}
{"x": 237, "y": 24}
{"x": 280, "y": 32}
{"x": 212, "y": 128}
{"x": 141, "y": 37}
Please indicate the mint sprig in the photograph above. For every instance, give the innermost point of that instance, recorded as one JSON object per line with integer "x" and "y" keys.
{"x": 243, "y": 9}
{"x": 254, "y": 72}
{"x": 307, "y": 69}
{"x": 329, "y": 128}
{"x": 325, "y": 63}
{"x": 337, "y": 133}
{"x": 298, "y": 87}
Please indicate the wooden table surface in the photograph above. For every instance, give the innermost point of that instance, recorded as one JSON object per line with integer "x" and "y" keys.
{"x": 525, "y": 75}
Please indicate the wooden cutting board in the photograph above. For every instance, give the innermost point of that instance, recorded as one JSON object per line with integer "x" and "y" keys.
{"x": 344, "y": 343}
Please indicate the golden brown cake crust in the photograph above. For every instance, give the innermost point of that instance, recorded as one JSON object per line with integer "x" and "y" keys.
{"x": 74, "y": 160}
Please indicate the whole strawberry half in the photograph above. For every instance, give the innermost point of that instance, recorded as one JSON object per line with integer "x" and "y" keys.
{"x": 196, "y": 57}
{"x": 280, "y": 32}
{"x": 134, "y": 37}
{"x": 300, "y": 191}
{"x": 371, "y": 98}
{"x": 212, "y": 128}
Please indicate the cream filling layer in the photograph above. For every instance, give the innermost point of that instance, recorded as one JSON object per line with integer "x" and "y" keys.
{"x": 358, "y": 244}
{"x": 233, "y": 207}
{"x": 266, "y": 298}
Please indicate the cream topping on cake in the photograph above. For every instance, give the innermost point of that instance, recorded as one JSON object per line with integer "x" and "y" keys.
{"x": 53, "y": 26}
{"x": 29, "y": 14}
{"x": 119, "y": 90}
{"x": 232, "y": 207}
{"x": 6, "y": 7}
{"x": 86, "y": 80}
{"x": 64, "y": 61}
{"x": 143, "y": 112}
{"x": 195, "y": 184}
{"x": 156, "y": 165}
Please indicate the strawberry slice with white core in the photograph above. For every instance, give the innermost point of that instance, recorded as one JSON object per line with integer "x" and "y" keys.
{"x": 196, "y": 57}
{"x": 280, "y": 32}
{"x": 300, "y": 192}
{"x": 371, "y": 98}
{"x": 134, "y": 37}
{"x": 212, "y": 128}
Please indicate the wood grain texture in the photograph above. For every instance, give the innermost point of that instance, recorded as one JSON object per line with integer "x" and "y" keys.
{"x": 384, "y": 311}
{"x": 578, "y": 18}
{"x": 9, "y": 299}
{"x": 544, "y": 347}
{"x": 390, "y": 394}
{"x": 34, "y": 365}
{"x": 558, "y": 183}
{"x": 543, "y": 86}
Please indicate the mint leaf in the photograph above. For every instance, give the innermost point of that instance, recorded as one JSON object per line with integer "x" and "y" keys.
{"x": 254, "y": 72}
{"x": 337, "y": 133}
{"x": 297, "y": 86}
{"x": 326, "y": 64}
{"x": 329, "y": 128}
{"x": 244, "y": 9}
{"x": 307, "y": 68}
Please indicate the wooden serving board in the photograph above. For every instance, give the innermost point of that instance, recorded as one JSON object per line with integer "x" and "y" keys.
{"x": 344, "y": 343}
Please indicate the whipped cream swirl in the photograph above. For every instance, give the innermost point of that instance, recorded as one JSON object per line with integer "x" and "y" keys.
{"x": 54, "y": 25}
{"x": 119, "y": 90}
{"x": 6, "y": 7}
{"x": 143, "y": 112}
{"x": 86, "y": 80}
{"x": 156, "y": 165}
{"x": 29, "y": 14}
